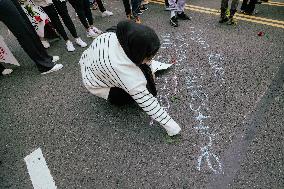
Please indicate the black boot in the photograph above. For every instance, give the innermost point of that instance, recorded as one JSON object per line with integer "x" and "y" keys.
{"x": 223, "y": 17}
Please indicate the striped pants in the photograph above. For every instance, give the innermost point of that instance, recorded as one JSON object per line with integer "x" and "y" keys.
{"x": 177, "y": 5}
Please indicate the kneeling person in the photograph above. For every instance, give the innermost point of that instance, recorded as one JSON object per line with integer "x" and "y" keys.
{"x": 115, "y": 67}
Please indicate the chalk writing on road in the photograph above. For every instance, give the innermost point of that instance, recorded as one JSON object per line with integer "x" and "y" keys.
{"x": 199, "y": 98}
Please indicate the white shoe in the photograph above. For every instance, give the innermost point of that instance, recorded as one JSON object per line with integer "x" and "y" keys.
{"x": 107, "y": 13}
{"x": 55, "y": 68}
{"x": 45, "y": 44}
{"x": 92, "y": 34}
{"x": 70, "y": 47}
{"x": 79, "y": 42}
{"x": 96, "y": 30}
{"x": 7, "y": 71}
{"x": 55, "y": 58}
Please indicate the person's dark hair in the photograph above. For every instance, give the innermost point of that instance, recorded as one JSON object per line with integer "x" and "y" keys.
{"x": 138, "y": 41}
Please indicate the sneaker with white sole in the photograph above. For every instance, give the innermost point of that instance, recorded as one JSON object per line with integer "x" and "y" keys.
{"x": 69, "y": 46}
{"x": 98, "y": 31}
{"x": 7, "y": 71}
{"x": 45, "y": 44}
{"x": 55, "y": 58}
{"x": 106, "y": 13}
{"x": 55, "y": 68}
{"x": 92, "y": 34}
{"x": 79, "y": 42}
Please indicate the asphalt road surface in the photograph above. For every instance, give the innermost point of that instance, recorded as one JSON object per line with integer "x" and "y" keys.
{"x": 225, "y": 89}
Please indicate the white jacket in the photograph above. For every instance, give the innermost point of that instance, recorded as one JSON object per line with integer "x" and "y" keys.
{"x": 104, "y": 65}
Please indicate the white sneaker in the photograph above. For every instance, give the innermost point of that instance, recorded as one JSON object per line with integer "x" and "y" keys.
{"x": 7, "y": 71}
{"x": 70, "y": 47}
{"x": 97, "y": 30}
{"x": 92, "y": 34}
{"x": 45, "y": 44}
{"x": 107, "y": 13}
{"x": 55, "y": 68}
{"x": 55, "y": 58}
{"x": 79, "y": 42}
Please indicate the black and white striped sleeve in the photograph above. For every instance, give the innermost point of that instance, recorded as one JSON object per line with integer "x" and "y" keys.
{"x": 150, "y": 105}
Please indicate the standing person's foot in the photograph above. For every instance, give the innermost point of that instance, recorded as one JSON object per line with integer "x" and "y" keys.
{"x": 252, "y": 13}
{"x": 7, "y": 71}
{"x": 139, "y": 12}
{"x": 92, "y": 34}
{"x": 55, "y": 58}
{"x": 79, "y": 42}
{"x": 69, "y": 46}
{"x": 107, "y": 13}
{"x": 45, "y": 44}
{"x": 96, "y": 30}
{"x": 143, "y": 8}
{"x": 174, "y": 21}
{"x": 55, "y": 68}
{"x": 183, "y": 16}
{"x": 223, "y": 19}
{"x": 231, "y": 21}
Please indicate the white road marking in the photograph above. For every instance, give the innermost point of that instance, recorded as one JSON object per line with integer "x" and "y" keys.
{"x": 38, "y": 171}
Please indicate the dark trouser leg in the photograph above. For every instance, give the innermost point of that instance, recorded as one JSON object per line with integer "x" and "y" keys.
{"x": 234, "y": 7}
{"x": 244, "y": 5}
{"x": 224, "y": 4}
{"x": 118, "y": 96}
{"x": 251, "y": 6}
{"x": 135, "y": 7}
{"x": 2, "y": 68}
{"x": 79, "y": 9}
{"x": 62, "y": 10}
{"x": 127, "y": 7}
{"x": 101, "y": 5}
{"x": 167, "y": 3}
{"x": 88, "y": 12}
{"x": 52, "y": 14}
{"x": 25, "y": 34}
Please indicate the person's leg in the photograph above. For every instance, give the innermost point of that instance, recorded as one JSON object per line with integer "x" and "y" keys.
{"x": 88, "y": 12}
{"x": 79, "y": 9}
{"x": 224, "y": 6}
{"x": 251, "y": 7}
{"x": 180, "y": 10}
{"x": 52, "y": 14}
{"x": 233, "y": 10}
{"x": 101, "y": 5}
{"x": 235, "y": 4}
{"x": 119, "y": 97}
{"x": 173, "y": 11}
{"x": 2, "y": 68}
{"x": 135, "y": 7}
{"x": 244, "y": 5}
{"x": 26, "y": 36}
{"x": 127, "y": 7}
{"x": 167, "y": 3}
{"x": 63, "y": 12}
